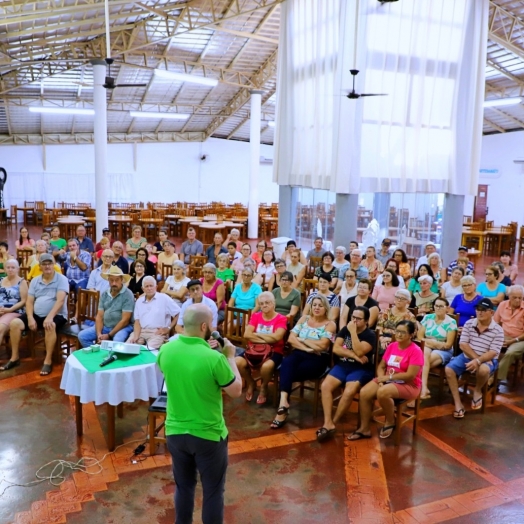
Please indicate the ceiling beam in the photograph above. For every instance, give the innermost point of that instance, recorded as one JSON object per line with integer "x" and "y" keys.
{"x": 493, "y": 125}
{"x": 505, "y": 29}
{"x": 508, "y": 116}
{"x": 504, "y": 72}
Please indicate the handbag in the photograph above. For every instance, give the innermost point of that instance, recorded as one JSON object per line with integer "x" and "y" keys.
{"x": 256, "y": 354}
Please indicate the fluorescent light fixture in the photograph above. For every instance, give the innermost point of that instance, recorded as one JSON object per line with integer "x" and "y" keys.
{"x": 61, "y": 110}
{"x": 183, "y": 77}
{"x": 271, "y": 123}
{"x": 152, "y": 114}
{"x": 500, "y": 102}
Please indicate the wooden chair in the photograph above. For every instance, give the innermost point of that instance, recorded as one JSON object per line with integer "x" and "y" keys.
{"x": 313, "y": 263}
{"x": 154, "y": 439}
{"x": 13, "y": 218}
{"x": 39, "y": 212}
{"x": 23, "y": 255}
{"x": 235, "y": 323}
{"x": 197, "y": 260}
{"x": 166, "y": 271}
{"x": 310, "y": 284}
{"x": 404, "y": 414}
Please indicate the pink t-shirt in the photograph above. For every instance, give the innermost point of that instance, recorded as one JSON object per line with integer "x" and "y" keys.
{"x": 398, "y": 360}
{"x": 268, "y": 327}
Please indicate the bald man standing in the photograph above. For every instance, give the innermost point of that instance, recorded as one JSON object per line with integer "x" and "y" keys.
{"x": 195, "y": 428}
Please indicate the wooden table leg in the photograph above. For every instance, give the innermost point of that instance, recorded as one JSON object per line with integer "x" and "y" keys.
{"x": 78, "y": 413}
{"x": 120, "y": 410}
{"x": 152, "y": 443}
{"x": 110, "y": 427}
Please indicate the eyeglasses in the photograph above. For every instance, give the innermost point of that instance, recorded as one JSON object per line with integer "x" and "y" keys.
{"x": 489, "y": 274}
{"x": 357, "y": 318}
{"x": 467, "y": 285}
{"x": 400, "y": 298}
{"x": 246, "y": 275}
{"x": 441, "y": 306}
{"x": 107, "y": 256}
{"x": 285, "y": 280}
{"x": 400, "y": 333}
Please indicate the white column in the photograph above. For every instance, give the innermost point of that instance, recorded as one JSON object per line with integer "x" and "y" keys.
{"x": 254, "y": 165}
{"x": 100, "y": 139}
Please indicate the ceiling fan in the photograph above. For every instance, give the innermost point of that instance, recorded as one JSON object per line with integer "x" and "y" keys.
{"x": 353, "y": 94}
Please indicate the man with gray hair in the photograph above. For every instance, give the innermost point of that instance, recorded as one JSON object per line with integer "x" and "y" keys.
{"x": 77, "y": 264}
{"x": 355, "y": 263}
{"x": 155, "y": 315}
{"x": 510, "y": 316}
{"x": 196, "y": 432}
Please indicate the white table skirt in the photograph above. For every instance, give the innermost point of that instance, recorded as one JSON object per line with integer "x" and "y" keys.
{"x": 113, "y": 385}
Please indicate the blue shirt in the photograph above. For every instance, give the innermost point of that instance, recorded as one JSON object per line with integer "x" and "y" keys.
{"x": 86, "y": 244}
{"x": 464, "y": 308}
{"x": 482, "y": 288}
{"x": 246, "y": 299}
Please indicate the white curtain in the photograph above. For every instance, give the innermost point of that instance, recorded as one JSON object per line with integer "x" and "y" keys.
{"x": 424, "y": 136}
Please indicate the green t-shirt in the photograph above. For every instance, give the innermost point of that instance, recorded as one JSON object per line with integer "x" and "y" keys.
{"x": 60, "y": 243}
{"x": 283, "y": 305}
{"x": 226, "y": 274}
{"x": 194, "y": 375}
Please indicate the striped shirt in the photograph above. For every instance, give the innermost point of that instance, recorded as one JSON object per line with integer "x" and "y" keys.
{"x": 490, "y": 339}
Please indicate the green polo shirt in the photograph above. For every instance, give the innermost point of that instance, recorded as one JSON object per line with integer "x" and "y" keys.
{"x": 195, "y": 375}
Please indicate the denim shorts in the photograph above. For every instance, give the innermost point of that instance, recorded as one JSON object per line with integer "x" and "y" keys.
{"x": 445, "y": 356}
{"x": 350, "y": 373}
{"x": 458, "y": 364}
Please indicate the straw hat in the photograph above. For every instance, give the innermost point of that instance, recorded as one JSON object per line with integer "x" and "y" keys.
{"x": 116, "y": 272}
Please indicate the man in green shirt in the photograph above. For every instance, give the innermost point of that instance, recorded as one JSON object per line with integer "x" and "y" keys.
{"x": 195, "y": 427}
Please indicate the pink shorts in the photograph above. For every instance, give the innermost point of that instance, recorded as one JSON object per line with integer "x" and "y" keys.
{"x": 405, "y": 391}
{"x": 7, "y": 317}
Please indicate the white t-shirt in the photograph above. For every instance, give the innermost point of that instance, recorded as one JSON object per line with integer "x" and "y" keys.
{"x": 401, "y": 283}
{"x": 450, "y": 291}
{"x": 173, "y": 285}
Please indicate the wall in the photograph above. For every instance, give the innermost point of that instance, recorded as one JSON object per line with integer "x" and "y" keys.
{"x": 142, "y": 172}
{"x": 505, "y": 186}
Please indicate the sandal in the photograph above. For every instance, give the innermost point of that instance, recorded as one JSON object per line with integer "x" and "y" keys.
{"x": 386, "y": 431}
{"x": 249, "y": 395}
{"x": 10, "y": 365}
{"x": 46, "y": 369}
{"x": 459, "y": 414}
{"x": 261, "y": 399}
{"x": 476, "y": 404}
{"x": 73, "y": 320}
{"x": 324, "y": 434}
{"x": 357, "y": 435}
{"x": 277, "y": 424}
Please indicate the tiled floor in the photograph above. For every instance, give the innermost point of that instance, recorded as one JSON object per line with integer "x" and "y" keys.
{"x": 451, "y": 471}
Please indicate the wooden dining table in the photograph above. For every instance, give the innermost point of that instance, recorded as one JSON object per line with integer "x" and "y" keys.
{"x": 68, "y": 225}
{"x": 155, "y": 222}
{"x": 25, "y": 210}
{"x": 474, "y": 233}
{"x": 120, "y": 226}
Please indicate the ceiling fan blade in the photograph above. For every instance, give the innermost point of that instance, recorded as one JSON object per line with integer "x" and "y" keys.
{"x": 374, "y": 94}
{"x": 130, "y": 85}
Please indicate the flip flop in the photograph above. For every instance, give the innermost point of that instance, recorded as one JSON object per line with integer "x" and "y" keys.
{"x": 324, "y": 434}
{"x": 459, "y": 414}
{"x": 10, "y": 365}
{"x": 386, "y": 431}
{"x": 425, "y": 397}
{"x": 261, "y": 399}
{"x": 249, "y": 396}
{"x": 476, "y": 404}
{"x": 357, "y": 435}
{"x": 46, "y": 370}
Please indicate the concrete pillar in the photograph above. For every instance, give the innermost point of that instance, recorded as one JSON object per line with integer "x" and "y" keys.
{"x": 100, "y": 140}
{"x": 287, "y": 211}
{"x": 346, "y": 212}
{"x": 254, "y": 164}
{"x": 381, "y": 205}
{"x": 452, "y": 218}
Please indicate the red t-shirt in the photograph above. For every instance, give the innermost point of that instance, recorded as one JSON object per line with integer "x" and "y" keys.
{"x": 267, "y": 327}
{"x": 398, "y": 361}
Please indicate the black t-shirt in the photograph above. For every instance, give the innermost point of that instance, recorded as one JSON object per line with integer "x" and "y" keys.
{"x": 159, "y": 247}
{"x": 350, "y": 303}
{"x": 366, "y": 336}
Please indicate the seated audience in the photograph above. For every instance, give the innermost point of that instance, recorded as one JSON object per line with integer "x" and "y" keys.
{"x": 287, "y": 298}
{"x": 46, "y": 308}
{"x": 385, "y": 252}
{"x": 134, "y": 243}
{"x": 40, "y": 249}
{"x": 328, "y": 268}
{"x": 158, "y": 246}
{"x": 502, "y": 279}
{"x": 349, "y": 286}
{"x": 318, "y": 249}
{"x": 214, "y": 289}
{"x": 510, "y": 270}
{"x": 119, "y": 260}
{"x": 13, "y": 293}
{"x": 234, "y": 236}
{"x": 309, "y": 340}
{"x": 435, "y": 263}
{"x": 394, "y": 266}
{"x": 167, "y": 257}
{"x": 232, "y": 252}
{"x": 324, "y": 280}
{"x": 414, "y": 284}
{"x": 106, "y": 233}
{"x": 510, "y": 316}
{"x": 152, "y": 257}
{"x": 464, "y": 305}
{"x": 176, "y": 284}
{"x": 352, "y": 245}
{"x": 36, "y": 269}
{"x": 274, "y": 281}
{"x": 59, "y": 244}
{"x": 291, "y": 247}
{"x": 244, "y": 295}
{"x": 143, "y": 255}
{"x": 384, "y": 293}
{"x": 388, "y": 319}
{"x": 450, "y": 289}
{"x": 362, "y": 298}
{"x": 266, "y": 268}
{"x": 372, "y": 264}
{"x": 438, "y": 331}
{"x": 224, "y": 272}
{"x": 46, "y": 237}
{"x": 398, "y": 376}
{"x": 215, "y": 249}
{"x": 258, "y": 255}
{"x": 103, "y": 244}
{"x": 25, "y": 241}
{"x": 423, "y": 299}
{"x": 4, "y": 257}
{"x": 462, "y": 253}
{"x": 77, "y": 265}
{"x": 95, "y": 278}
{"x": 481, "y": 341}
{"x": 492, "y": 289}
{"x": 355, "y": 263}
{"x": 248, "y": 264}
{"x": 191, "y": 246}
{"x": 298, "y": 270}
{"x": 238, "y": 263}
{"x": 196, "y": 296}
{"x": 114, "y": 320}
{"x": 267, "y": 326}
{"x": 84, "y": 242}
{"x": 155, "y": 315}
{"x": 430, "y": 248}
{"x": 135, "y": 283}
{"x": 354, "y": 367}
{"x": 403, "y": 265}
{"x": 340, "y": 262}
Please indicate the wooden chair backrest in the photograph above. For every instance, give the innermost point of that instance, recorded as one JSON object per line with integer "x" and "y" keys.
{"x": 167, "y": 270}
{"x": 194, "y": 272}
{"x": 23, "y": 272}
{"x": 197, "y": 260}
{"x": 22, "y": 255}
{"x": 87, "y": 304}
{"x": 235, "y": 323}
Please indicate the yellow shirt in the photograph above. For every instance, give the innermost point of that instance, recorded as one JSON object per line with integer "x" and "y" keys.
{"x": 36, "y": 271}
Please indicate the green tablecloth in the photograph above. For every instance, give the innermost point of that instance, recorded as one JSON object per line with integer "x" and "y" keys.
{"x": 91, "y": 361}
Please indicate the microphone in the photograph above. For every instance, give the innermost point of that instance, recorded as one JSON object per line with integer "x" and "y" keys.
{"x": 108, "y": 360}
{"x": 218, "y": 338}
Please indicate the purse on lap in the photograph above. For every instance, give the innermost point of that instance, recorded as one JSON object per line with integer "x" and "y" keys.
{"x": 257, "y": 354}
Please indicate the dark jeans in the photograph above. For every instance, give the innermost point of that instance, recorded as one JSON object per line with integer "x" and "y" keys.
{"x": 191, "y": 454}
{"x": 299, "y": 366}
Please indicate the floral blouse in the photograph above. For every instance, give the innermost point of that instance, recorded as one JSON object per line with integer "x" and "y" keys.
{"x": 374, "y": 267}
{"x": 305, "y": 331}
{"x": 387, "y": 323}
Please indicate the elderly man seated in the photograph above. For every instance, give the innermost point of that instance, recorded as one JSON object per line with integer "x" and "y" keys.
{"x": 510, "y": 315}
{"x": 78, "y": 265}
{"x": 430, "y": 248}
{"x": 355, "y": 263}
{"x": 85, "y": 243}
{"x": 118, "y": 259}
{"x": 196, "y": 296}
{"x": 481, "y": 341}
{"x": 46, "y": 307}
{"x": 96, "y": 281}
{"x": 155, "y": 315}
{"x": 114, "y": 320}
{"x": 191, "y": 246}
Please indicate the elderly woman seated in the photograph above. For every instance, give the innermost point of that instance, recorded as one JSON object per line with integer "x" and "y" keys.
{"x": 176, "y": 284}
{"x": 266, "y": 268}
{"x": 287, "y": 298}
{"x": 135, "y": 242}
{"x": 244, "y": 295}
{"x": 438, "y": 331}
{"x": 423, "y": 299}
{"x": 266, "y": 327}
{"x": 214, "y": 289}
{"x": 388, "y": 319}
{"x": 310, "y": 341}
{"x": 234, "y": 236}
{"x": 142, "y": 255}
{"x": 465, "y": 303}
{"x": 398, "y": 377}
{"x": 324, "y": 280}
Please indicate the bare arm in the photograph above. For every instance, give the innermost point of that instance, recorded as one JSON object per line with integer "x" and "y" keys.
{"x": 407, "y": 376}
{"x": 498, "y": 299}
{"x": 234, "y": 389}
{"x": 221, "y": 293}
{"x": 344, "y": 317}
{"x": 23, "y": 298}
{"x": 269, "y": 338}
{"x": 136, "y": 332}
